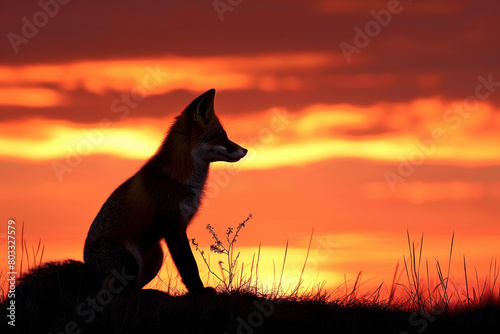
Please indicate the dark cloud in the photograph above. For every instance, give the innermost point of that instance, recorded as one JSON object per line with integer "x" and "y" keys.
{"x": 455, "y": 41}
{"x": 132, "y": 28}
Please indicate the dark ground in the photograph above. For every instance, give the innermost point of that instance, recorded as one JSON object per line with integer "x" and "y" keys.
{"x": 56, "y": 299}
{"x": 157, "y": 312}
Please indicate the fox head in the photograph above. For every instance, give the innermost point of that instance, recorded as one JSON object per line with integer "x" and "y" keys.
{"x": 207, "y": 134}
{"x": 198, "y": 132}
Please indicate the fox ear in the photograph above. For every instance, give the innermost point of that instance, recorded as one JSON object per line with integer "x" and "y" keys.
{"x": 204, "y": 107}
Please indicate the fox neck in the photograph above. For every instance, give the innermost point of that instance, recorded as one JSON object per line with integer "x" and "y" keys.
{"x": 174, "y": 155}
{"x": 177, "y": 161}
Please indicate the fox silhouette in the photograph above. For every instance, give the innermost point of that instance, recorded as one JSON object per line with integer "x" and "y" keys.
{"x": 159, "y": 201}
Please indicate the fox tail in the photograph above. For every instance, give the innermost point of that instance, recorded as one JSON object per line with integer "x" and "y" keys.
{"x": 47, "y": 298}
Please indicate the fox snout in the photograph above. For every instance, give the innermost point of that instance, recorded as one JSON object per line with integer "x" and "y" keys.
{"x": 231, "y": 152}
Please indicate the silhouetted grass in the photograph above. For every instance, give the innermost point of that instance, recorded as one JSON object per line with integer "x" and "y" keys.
{"x": 243, "y": 305}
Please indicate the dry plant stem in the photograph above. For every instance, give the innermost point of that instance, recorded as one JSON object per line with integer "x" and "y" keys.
{"x": 296, "y": 290}
{"x": 205, "y": 260}
{"x": 283, "y": 268}
{"x": 218, "y": 247}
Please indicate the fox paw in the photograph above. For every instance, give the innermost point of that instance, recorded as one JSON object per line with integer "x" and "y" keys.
{"x": 209, "y": 291}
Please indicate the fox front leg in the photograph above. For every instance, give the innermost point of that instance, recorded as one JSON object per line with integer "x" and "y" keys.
{"x": 183, "y": 257}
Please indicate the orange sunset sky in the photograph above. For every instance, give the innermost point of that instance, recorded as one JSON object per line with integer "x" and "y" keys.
{"x": 363, "y": 119}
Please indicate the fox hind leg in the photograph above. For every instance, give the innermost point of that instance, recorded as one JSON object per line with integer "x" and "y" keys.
{"x": 149, "y": 262}
{"x": 110, "y": 260}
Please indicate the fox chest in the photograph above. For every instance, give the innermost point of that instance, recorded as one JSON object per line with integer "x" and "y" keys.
{"x": 191, "y": 202}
